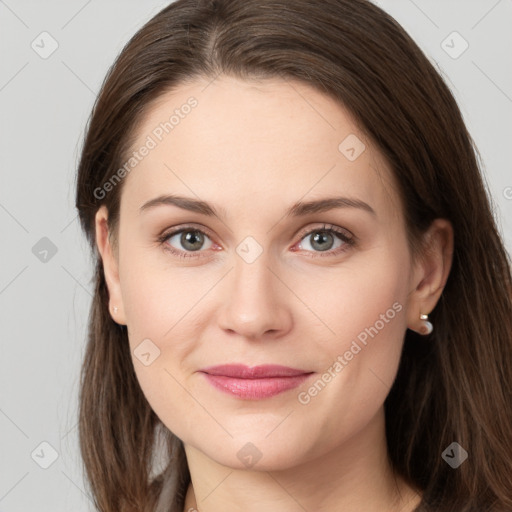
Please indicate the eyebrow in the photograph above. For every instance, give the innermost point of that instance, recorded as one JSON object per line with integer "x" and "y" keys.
{"x": 299, "y": 209}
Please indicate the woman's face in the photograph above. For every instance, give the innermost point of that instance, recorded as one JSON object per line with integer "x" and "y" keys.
{"x": 254, "y": 280}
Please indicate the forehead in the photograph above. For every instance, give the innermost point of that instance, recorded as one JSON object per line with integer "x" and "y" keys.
{"x": 253, "y": 143}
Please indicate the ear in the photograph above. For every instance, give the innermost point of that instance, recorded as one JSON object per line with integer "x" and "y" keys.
{"x": 430, "y": 272}
{"x": 110, "y": 265}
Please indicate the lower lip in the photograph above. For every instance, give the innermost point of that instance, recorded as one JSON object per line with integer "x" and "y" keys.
{"x": 255, "y": 389}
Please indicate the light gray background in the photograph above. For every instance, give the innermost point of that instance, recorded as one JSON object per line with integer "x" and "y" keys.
{"x": 44, "y": 105}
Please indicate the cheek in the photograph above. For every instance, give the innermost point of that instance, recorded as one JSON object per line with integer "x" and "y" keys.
{"x": 159, "y": 318}
{"x": 363, "y": 299}
{"x": 367, "y": 312}
{"x": 155, "y": 297}
{"x": 162, "y": 312}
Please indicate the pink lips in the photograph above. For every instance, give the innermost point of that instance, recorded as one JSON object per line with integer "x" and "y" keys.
{"x": 254, "y": 383}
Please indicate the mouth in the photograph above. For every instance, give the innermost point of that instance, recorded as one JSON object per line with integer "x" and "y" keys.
{"x": 254, "y": 383}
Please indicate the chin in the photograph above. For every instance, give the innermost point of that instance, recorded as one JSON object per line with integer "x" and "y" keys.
{"x": 258, "y": 452}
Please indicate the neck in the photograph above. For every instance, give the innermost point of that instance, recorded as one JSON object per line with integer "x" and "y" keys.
{"x": 355, "y": 476}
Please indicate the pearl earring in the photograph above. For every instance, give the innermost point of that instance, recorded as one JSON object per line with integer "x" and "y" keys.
{"x": 115, "y": 309}
{"x": 427, "y": 326}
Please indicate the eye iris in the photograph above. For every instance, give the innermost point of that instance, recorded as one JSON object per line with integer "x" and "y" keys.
{"x": 319, "y": 237}
{"x": 191, "y": 240}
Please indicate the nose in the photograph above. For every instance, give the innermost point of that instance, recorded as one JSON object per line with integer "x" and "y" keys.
{"x": 257, "y": 302}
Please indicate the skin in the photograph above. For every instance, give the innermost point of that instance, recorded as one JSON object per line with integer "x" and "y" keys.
{"x": 256, "y": 148}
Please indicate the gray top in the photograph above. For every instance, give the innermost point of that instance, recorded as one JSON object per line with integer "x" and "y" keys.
{"x": 169, "y": 494}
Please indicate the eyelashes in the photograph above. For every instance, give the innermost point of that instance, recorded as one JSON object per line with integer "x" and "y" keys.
{"x": 335, "y": 232}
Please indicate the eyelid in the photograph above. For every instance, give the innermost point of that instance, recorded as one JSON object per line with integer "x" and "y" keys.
{"x": 326, "y": 227}
{"x": 185, "y": 227}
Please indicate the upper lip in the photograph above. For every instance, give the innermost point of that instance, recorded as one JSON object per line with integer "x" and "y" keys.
{"x": 242, "y": 371}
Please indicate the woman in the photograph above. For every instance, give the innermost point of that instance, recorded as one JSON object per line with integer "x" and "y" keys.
{"x": 233, "y": 363}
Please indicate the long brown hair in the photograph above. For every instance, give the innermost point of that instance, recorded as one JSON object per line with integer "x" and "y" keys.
{"x": 452, "y": 386}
